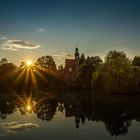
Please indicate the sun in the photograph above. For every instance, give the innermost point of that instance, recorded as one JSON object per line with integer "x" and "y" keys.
{"x": 29, "y": 63}
{"x": 28, "y": 107}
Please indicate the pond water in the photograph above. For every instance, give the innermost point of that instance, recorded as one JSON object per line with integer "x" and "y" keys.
{"x": 69, "y": 116}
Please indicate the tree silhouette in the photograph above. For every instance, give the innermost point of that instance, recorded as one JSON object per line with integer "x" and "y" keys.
{"x": 60, "y": 68}
{"x": 22, "y": 65}
{"x": 46, "y": 62}
{"x": 136, "y": 61}
{"x": 82, "y": 59}
{"x": 116, "y": 75}
{"x": 85, "y": 70}
{"x": 4, "y": 61}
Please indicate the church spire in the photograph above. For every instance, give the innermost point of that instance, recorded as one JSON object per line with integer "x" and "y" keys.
{"x": 77, "y": 53}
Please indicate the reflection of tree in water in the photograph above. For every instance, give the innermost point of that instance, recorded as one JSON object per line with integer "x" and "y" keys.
{"x": 6, "y": 108}
{"x": 118, "y": 127}
{"x": 116, "y": 113}
{"x": 60, "y": 107}
{"x": 117, "y": 121}
{"x": 43, "y": 107}
{"x": 46, "y": 110}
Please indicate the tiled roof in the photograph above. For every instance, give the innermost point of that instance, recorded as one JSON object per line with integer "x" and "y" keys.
{"x": 70, "y": 61}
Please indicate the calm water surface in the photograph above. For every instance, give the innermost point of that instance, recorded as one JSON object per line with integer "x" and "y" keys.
{"x": 69, "y": 116}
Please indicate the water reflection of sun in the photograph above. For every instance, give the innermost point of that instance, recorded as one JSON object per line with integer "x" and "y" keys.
{"x": 27, "y": 104}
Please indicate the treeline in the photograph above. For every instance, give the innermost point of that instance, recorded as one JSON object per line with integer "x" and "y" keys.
{"x": 42, "y": 75}
{"x": 116, "y": 74}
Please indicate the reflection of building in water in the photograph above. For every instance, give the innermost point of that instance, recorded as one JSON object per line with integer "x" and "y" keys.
{"x": 71, "y": 66}
{"x": 116, "y": 112}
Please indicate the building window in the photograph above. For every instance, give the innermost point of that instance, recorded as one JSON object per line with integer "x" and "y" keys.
{"x": 70, "y": 69}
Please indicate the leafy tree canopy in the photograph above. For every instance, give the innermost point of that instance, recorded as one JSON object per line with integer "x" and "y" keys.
{"x": 46, "y": 62}
{"x": 136, "y": 61}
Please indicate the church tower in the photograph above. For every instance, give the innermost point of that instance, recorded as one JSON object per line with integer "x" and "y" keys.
{"x": 77, "y": 53}
{"x": 71, "y": 66}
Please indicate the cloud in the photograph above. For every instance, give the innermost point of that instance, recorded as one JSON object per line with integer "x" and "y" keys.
{"x": 15, "y": 45}
{"x": 3, "y": 38}
{"x": 63, "y": 56}
{"x": 15, "y": 127}
{"x": 41, "y": 30}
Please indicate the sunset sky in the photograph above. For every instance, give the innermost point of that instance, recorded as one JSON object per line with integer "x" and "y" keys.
{"x": 32, "y": 28}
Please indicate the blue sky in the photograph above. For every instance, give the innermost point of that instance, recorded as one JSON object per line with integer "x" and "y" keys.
{"x": 32, "y": 28}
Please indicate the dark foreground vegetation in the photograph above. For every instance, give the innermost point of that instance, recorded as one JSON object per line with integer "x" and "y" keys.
{"x": 117, "y": 74}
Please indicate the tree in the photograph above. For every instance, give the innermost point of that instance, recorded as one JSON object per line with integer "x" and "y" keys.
{"x": 4, "y": 61}
{"x": 116, "y": 75}
{"x": 46, "y": 62}
{"x": 85, "y": 70}
{"x": 82, "y": 59}
{"x": 11, "y": 66}
{"x": 5, "y": 66}
{"x": 136, "y": 61}
{"x": 60, "y": 68}
{"x": 96, "y": 60}
{"x": 22, "y": 65}
{"x": 117, "y": 58}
